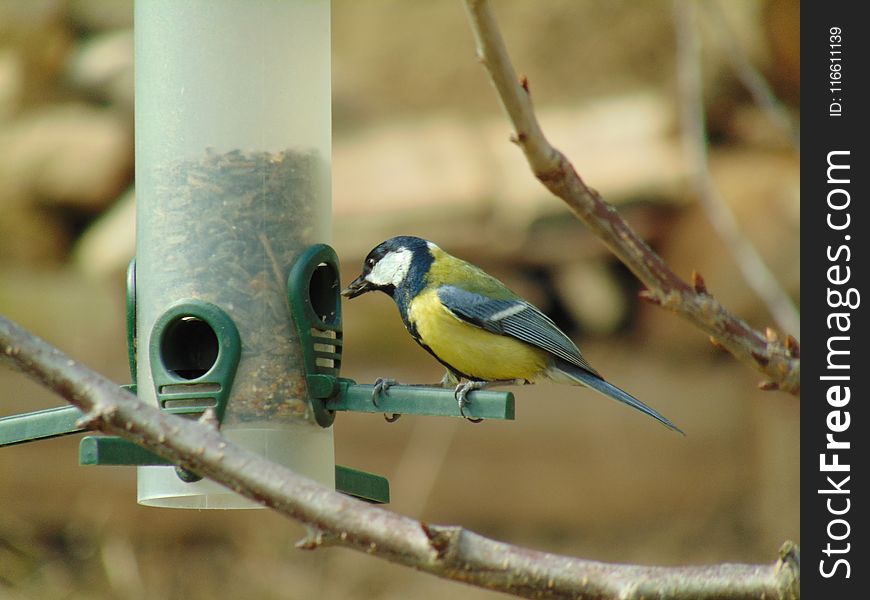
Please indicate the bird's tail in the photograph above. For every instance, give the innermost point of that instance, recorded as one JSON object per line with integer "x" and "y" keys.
{"x": 579, "y": 376}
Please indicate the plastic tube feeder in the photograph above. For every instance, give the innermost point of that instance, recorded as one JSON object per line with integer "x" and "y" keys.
{"x": 233, "y": 139}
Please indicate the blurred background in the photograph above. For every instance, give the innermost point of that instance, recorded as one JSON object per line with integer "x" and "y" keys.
{"x": 421, "y": 147}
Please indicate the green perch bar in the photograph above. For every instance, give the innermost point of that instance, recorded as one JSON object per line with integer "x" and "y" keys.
{"x": 40, "y": 425}
{"x": 422, "y": 400}
{"x": 353, "y": 397}
{"x": 342, "y": 395}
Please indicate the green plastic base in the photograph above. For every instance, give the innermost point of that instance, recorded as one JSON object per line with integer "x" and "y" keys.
{"x": 362, "y": 485}
{"x": 103, "y": 450}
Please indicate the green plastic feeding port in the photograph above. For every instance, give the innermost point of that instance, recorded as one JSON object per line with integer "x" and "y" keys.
{"x": 195, "y": 349}
{"x": 131, "y": 318}
{"x": 313, "y": 289}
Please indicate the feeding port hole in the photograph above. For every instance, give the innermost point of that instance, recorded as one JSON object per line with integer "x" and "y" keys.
{"x": 189, "y": 347}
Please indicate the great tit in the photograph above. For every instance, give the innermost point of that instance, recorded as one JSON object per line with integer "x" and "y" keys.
{"x": 474, "y": 325}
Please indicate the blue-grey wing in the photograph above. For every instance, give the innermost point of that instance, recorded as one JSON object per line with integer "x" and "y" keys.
{"x": 515, "y": 318}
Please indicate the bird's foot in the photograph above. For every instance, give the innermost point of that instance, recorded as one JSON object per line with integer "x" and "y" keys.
{"x": 461, "y": 395}
{"x": 382, "y": 386}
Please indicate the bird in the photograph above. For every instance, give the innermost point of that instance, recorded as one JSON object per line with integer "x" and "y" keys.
{"x": 474, "y": 325}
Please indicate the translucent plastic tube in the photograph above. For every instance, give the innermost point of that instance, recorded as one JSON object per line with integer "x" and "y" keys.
{"x": 233, "y": 142}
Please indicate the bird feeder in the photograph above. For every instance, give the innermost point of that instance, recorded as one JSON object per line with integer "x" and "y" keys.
{"x": 233, "y": 142}
{"x": 233, "y": 305}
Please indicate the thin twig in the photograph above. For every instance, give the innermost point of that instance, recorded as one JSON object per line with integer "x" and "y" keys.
{"x": 694, "y": 136}
{"x": 766, "y": 354}
{"x": 749, "y": 76}
{"x": 448, "y": 552}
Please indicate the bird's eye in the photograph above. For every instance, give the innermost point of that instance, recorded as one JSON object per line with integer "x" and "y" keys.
{"x": 370, "y": 262}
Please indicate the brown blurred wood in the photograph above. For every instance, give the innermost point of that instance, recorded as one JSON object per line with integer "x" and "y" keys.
{"x": 664, "y": 288}
{"x": 334, "y": 519}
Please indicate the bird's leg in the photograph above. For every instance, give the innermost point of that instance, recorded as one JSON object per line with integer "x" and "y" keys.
{"x": 462, "y": 390}
{"x": 449, "y": 380}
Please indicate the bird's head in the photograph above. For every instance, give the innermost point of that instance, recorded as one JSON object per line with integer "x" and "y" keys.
{"x": 390, "y": 265}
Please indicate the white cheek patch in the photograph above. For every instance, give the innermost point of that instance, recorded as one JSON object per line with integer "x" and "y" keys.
{"x": 392, "y": 268}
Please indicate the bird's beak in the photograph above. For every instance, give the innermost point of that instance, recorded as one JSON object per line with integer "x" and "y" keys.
{"x": 357, "y": 287}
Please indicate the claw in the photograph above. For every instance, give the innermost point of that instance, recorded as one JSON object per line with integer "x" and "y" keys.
{"x": 461, "y": 394}
{"x": 382, "y": 386}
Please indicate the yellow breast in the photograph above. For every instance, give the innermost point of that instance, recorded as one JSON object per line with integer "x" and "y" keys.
{"x": 471, "y": 350}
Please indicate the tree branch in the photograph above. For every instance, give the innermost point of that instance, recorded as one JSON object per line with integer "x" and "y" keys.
{"x": 777, "y": 357}
{"x": 448, "y": 552}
